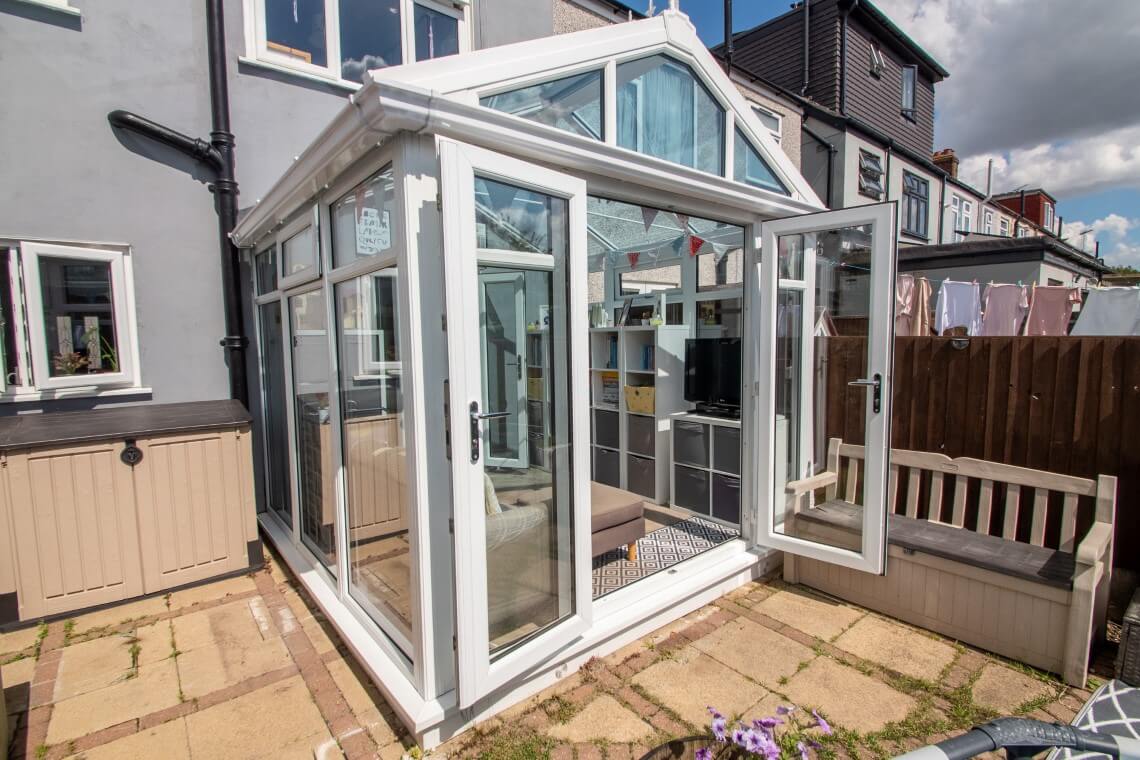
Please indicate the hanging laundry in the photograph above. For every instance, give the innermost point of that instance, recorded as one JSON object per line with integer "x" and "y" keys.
{"x": 1004, "y": 309}
{"x": 921, "y": 316}
{"x": 1110, "y": 311}
{"x": 959, "y": 305}
{"x": 1050, "y": 308}
{"x": 912, "y": 305}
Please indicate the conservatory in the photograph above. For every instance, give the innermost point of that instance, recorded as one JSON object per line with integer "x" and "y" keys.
{"x": 537, "y": 332}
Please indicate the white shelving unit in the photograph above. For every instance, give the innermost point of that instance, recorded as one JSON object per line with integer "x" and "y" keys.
{"x": 538, "y": 393}
{"x": 630, "y": 449}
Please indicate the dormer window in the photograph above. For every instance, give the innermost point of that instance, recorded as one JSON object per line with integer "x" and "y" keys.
{"x": 877, "y": 61}
{"x": 1048, "y": 217}
{"x": 909, "y": 84}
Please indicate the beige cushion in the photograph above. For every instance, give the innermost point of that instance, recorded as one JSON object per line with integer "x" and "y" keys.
{"x": 490, "y": 500}
{"x": 612, "y": 506}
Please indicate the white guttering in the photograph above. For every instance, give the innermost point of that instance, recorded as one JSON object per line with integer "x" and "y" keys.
{"x": 382, "y": 109}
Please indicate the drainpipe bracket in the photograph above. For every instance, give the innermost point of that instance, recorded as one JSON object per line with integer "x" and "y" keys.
{"x": 234, "y": 342}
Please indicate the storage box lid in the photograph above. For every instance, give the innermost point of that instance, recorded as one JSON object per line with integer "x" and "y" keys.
{"x": 134, "y": 421}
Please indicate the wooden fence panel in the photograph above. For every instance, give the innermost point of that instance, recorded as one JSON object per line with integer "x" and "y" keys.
{"x": 1063, "y": 404}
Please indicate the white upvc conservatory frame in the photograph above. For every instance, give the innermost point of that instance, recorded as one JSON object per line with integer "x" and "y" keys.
{"x": 402, "y": 123}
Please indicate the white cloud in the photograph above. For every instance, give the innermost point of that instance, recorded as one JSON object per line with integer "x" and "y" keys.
{"x": 1113, "y": 232}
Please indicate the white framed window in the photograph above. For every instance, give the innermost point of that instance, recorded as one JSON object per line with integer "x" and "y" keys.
{"x": 770, "y": 119}
{"x": 1003, "y": 227}
{"x": 909, "y": 84}
{"x": 988, "y": 222}
{"x": 68, "y": 320}
{"x": 55, "y": 5}
{"x": 299, "y": 253}
{"x": 1022, "y": 231}
{"x": 340, "y": 40}
{"x": 962, "y": 216}
{"x": 1048, "y": 223}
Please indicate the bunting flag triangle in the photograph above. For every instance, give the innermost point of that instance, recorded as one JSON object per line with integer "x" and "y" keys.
{"x": 695, "y": 244}
{"x": 648, "y": 215}
{"x": 683, "y": 222}
{"x": 633, "y": 256}
{"x": 677, "y": 244}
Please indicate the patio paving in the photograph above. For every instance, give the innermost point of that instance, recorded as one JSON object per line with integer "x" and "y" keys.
{"x": 248, "y": 668}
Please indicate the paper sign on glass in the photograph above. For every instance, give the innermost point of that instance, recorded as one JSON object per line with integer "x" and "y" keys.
{"x": 373, "y": 233}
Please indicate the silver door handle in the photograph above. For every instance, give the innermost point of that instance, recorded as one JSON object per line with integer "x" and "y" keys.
{"x": 476, "y": 436}
{"x": 875, "y": 383}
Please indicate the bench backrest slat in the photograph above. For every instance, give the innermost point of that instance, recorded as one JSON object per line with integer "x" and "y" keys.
{"x": 1069, "y": 523}
{"x": 852, "y": 493}
{"x": 914, "y": 484}
{"x": 1012, "y": 504}
{"x": 935, "y": 512}
{"x": 1037, "y": 521}
{"x": 985, "y": 506}
{"x": 958, "y": 516}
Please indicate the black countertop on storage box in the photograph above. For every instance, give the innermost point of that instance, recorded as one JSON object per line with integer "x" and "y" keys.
{"x": 121, "y": 422}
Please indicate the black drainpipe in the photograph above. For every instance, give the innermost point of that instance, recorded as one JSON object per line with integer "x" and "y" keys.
{"x": 942, "y": 209}
{"x": 807, "y": 46}
{"x": 831, "y": 151}
{"x": 887, "y": 184}
{"x": 218, "y": 156}
{"x": 728, "y": 41}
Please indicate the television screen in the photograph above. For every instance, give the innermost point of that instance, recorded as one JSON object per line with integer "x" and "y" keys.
{"x": 712, "y": 371}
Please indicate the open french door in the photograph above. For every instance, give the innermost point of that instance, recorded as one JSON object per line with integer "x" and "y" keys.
{"x": 522, "y": 534}
{"x": 825, "y": 281}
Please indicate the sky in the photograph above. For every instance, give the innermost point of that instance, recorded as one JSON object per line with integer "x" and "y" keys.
{"x": 1049, "y": 89}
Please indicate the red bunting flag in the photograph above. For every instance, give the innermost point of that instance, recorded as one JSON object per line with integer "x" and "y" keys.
{"x": 633, "y": 256}
{"x": 695, "y": 244}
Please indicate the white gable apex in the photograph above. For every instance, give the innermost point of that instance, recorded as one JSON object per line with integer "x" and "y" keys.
{"x": 468, "y": 76}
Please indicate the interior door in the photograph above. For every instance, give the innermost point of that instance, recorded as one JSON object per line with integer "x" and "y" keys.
{"x": 502, "y": 314}
{"x": 824, "y": 310}
{"x": 522, "y": 536}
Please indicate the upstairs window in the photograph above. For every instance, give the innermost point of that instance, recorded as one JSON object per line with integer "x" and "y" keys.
{"x": 749, "y": 167}
{"x": 342, "y": 39}
{"x": 870, "y": 175}
{"x": 915, "y": 205}
{"x": 1003, "y": 227}
{"x": 988, "y": 222}
{"x": 909, "y": 83}
{"x": 664, "y": 110}
{"x": 877, "y": 62}
{"x": 572, "y": 103}
{"x": 1048, "y": 224}
{"x": 770, "y": 120}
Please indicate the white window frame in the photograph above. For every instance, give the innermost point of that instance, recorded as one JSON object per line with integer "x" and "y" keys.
{"x": 34, "y": 358}
{"x": 1003, "y": 227}
{"x": 1048, "y": 216}
{"x": 988, "y": 221}
{"x": 762, "y": 111}
{"x": 55, "y": 5}
{"x": 308, "y": 218}
{"x": 259, "y": 54}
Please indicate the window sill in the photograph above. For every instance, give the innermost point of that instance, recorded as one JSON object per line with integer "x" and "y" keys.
{"x": 57, "y": 394}
{"x": 339, "y": 84}
{"x": 915, "y": 236}
{"x": 65, "y": 9}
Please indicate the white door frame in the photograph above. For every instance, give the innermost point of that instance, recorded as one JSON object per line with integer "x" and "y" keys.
{"x": 518, "y": 278}
{"x": 478, "y": 674}
{"x": 762, "y": 321}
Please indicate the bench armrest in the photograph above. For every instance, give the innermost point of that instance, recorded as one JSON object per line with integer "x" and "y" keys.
{"x": 806, "y": 485}
{"x": 1094, "y": 545}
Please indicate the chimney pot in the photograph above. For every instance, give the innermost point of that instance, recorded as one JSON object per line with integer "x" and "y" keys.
{"x": 947, "y": 161}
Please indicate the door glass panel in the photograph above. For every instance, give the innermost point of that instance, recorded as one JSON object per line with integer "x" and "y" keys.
{"x": 275, "y": 411}
{"x": 315, "y": 474}
{"x": 524, "y": 348}
{"x": 375, "y": 460}
{"x": 824, "y": 323}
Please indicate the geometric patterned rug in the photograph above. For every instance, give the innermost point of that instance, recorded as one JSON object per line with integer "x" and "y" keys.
{"x": 658, "y": 551}
{"x": 1113, "y": 709}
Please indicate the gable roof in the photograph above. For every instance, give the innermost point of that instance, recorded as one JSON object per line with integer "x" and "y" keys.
{"x": 492, "y": 70}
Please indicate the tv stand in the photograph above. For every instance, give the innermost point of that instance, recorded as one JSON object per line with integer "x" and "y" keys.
{"x": 718, "y": 410}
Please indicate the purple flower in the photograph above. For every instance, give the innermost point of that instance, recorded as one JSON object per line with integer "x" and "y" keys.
{"x": 738, "y": 735}
{"x": 781, "y": 710}
{"x": 704, "y": 753}
{"x": 719, "y": 726}
{"x": 799, "y": 746}
{"x": 713, "y": 711}
{"x": 766, "y": 724}
{"x": 823, "y": 724}
{"x": 759, "y": 743}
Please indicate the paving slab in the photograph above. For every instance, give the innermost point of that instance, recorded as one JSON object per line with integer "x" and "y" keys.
{"x": 206, "y": 669}
{"x": 1003, "y": 689}
{"x": 689, "y": 681}
{"x": 17, "y": 678}
{"x": 154, "y": 641}
{"x": 92, "y": 665}
{"x": 896, "y": 647}
{"x": 18, "y": 641}
{"x": 154, "y": 688}
{"x": 603, "y": 718}
{"x": 209, "y": 592}
{"x": 229, "y": 624}
{"x": 365, "y": 702}
{"x": 120, "y": 613}
{"x": 758, "y": 652}
{"x": 169, "y": 741}
{"x": 275, "y": 721}
{"x": 846, "y": 697}
{"x": 814, "y": 615}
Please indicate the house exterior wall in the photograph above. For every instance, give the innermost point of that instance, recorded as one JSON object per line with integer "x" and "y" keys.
{"x": 572, "y": 17}
{"x": 791, "y": 117}
{"x": 501, "y": 22}
{"x": 775, "y": 52}
{"x": 878, "y": 100}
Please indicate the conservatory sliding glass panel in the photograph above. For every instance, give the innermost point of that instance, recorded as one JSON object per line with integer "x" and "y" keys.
{"x": 375, "y": 458}
{"x": 664, "y": 110}
{"x": 370, "y": 36}
{"x": 362, "y": 220}
{"x": 437, "y": 34}
{"x": 78, "y": 316}
{"x": 296, "y": 28}
{"x": 275, "y": 412}
{"x": 572, "y": 103}
{"x": 311, "y": 387}
{"x": 751, "y": 168}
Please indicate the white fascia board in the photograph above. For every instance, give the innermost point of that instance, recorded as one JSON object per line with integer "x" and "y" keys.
{"x": 381, "y": 110}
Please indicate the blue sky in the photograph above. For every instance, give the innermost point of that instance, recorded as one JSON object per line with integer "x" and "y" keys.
{"x": 1084, "y": 153}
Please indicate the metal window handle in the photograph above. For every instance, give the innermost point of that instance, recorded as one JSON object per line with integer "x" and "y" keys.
{"x": 476, "y": 435}
{"x": 875, "y": 383}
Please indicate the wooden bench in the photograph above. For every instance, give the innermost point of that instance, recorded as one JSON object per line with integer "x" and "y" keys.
{"x": 1009, "y": 559}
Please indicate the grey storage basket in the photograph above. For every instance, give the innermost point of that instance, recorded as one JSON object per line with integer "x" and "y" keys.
{"x": 1128, "y": 659}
